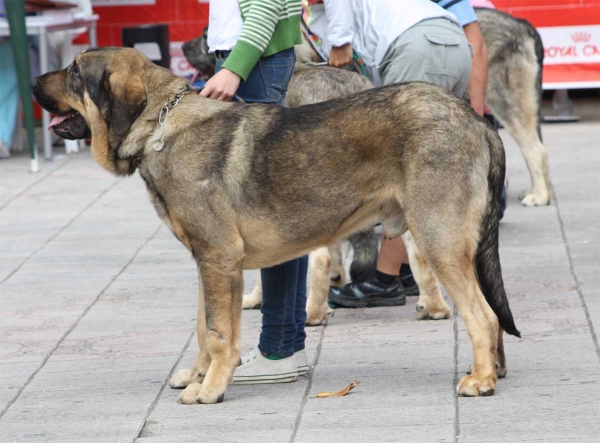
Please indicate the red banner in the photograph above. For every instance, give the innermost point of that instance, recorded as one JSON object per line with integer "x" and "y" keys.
{"x": 570, "y": 30}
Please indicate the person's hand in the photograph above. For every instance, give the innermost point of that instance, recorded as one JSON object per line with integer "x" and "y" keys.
{"x": 222, "y": 86}
{"x": 340, "y": 56}
{"x": 478, "y": 104}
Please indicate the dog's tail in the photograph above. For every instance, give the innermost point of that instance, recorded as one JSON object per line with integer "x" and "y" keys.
{"x": 365, "y": 248}
{"x": 487, "y": 260}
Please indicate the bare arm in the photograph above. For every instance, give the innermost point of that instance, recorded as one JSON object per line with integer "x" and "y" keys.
{"x": 478, "y": 82}
{"x": 340, "y": 30}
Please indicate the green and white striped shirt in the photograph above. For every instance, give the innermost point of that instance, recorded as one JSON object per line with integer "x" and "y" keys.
{"x": 269, "y": 26}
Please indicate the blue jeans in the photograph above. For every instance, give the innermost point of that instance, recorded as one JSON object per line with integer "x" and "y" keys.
{"x": 284, "y": 286}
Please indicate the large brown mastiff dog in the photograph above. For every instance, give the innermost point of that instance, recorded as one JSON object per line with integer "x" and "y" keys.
{"x": 250, "y": 186}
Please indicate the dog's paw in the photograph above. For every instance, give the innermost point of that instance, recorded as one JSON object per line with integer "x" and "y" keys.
{"x": 189, "y": 394}
{"x": 198, "y": 393}
{"x": 184, "y": 377}
{"x": 474, "y": 386}
{"x": 529, "y": 198}
{"x": 426, "y": 312}
{"x": 251, "y": 301}
{"x": 319, "y": 318}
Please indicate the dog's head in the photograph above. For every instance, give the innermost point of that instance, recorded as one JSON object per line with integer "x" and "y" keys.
{"x": 110, "y": 77}
{"x": 100, "y": 96}
{"x": 196, "y": 53}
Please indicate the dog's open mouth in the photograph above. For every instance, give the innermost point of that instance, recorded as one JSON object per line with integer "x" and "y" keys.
{"x": 71, "y": 126}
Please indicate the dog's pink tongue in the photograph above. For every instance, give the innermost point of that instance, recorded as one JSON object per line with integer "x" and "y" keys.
{"x": 57, "y": 121}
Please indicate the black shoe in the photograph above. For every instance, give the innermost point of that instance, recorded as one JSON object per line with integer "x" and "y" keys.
{"x": 368, "y": 294}
{"x": 408, "y": 281}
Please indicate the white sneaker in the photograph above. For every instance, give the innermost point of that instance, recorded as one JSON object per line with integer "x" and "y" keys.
{"x": 301, "y": 362}
{"x": 257, "y": 369}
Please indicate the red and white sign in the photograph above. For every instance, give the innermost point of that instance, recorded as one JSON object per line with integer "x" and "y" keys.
{"x": 571, "y": 44}
{"x": 571, "y": 56}
{"x": 122, "y": 2}
{"x": 570, "y": 31}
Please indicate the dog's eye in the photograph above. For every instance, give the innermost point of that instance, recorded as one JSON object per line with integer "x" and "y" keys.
{"x": 75, "y": 70}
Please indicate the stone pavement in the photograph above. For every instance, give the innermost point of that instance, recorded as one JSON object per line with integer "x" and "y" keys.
{"x": 97, "y": 306}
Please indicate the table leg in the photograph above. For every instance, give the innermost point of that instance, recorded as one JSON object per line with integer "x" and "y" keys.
{"x": 45, "y": 114}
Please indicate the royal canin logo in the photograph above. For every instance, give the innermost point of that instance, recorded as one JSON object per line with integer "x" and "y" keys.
{"x": 581, "y": 37}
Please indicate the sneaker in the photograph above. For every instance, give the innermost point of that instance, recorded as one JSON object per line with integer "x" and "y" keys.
{"x": 368, "y": 294}
{"x": 255, "y": 368}
{"x": 301, "y": 362}
{"x": 408, "y": 282}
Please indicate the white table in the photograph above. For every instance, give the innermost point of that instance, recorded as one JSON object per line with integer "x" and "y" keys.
{"x": 42, "y": 26}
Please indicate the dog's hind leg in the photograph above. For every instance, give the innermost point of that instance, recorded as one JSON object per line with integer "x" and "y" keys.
{"x": 222, "y": 275}
{"x": 431, "y": 304}
{"x": 317, "y": 309}
{"x": 514, "y": 95}
{"x": 451, "y": 254}
{"x": 536, "y": 157}
{"x": 456, "y": 272}
{"x": 501, "y": 369}
{"x": 254, "y": 299}
{"x": 196, "y": 373}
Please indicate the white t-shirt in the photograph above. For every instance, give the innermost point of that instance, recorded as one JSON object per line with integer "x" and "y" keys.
{"x": 225, "y": 24}
{"x": 374, "y": 25}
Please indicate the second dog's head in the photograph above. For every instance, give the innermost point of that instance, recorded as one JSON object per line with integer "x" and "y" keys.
{"x": 196, "y": 53}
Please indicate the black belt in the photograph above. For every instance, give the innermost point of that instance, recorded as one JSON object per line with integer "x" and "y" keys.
{"x": 222, "y": 54}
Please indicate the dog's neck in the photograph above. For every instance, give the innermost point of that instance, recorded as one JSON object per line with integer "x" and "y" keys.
{"x": 130, "y": 148}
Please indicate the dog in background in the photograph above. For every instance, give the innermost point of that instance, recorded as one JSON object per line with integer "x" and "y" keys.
{"x": 514, "y": 92}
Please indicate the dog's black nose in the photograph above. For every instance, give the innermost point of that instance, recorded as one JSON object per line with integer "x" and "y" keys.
{"x": 33, "y": 84}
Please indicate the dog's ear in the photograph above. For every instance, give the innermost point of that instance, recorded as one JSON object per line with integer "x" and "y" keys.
{"x": 127, "y": 100}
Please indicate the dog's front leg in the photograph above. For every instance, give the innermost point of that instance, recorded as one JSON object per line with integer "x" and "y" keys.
{"x": 223, "y": 285}
{"x": 195, "y": 374}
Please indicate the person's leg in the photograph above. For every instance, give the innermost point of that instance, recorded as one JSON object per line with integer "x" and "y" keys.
{"x": 279, "y": 326}
{"x": 391, "y": 256}
{"x": 284, "y": 301}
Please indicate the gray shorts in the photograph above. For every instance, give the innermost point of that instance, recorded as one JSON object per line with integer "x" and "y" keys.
{"x": 434, "y": 50}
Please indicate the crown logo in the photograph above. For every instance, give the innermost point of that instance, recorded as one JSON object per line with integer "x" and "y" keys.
{"x": 581, "y": 36}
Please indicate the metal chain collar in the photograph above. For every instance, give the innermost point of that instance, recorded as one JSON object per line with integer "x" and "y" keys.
{"x": 159, "y": 144}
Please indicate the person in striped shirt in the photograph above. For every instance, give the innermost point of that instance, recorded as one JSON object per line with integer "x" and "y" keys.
{"x": 254, "y": 44}
{"x": 243, "y": 32}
